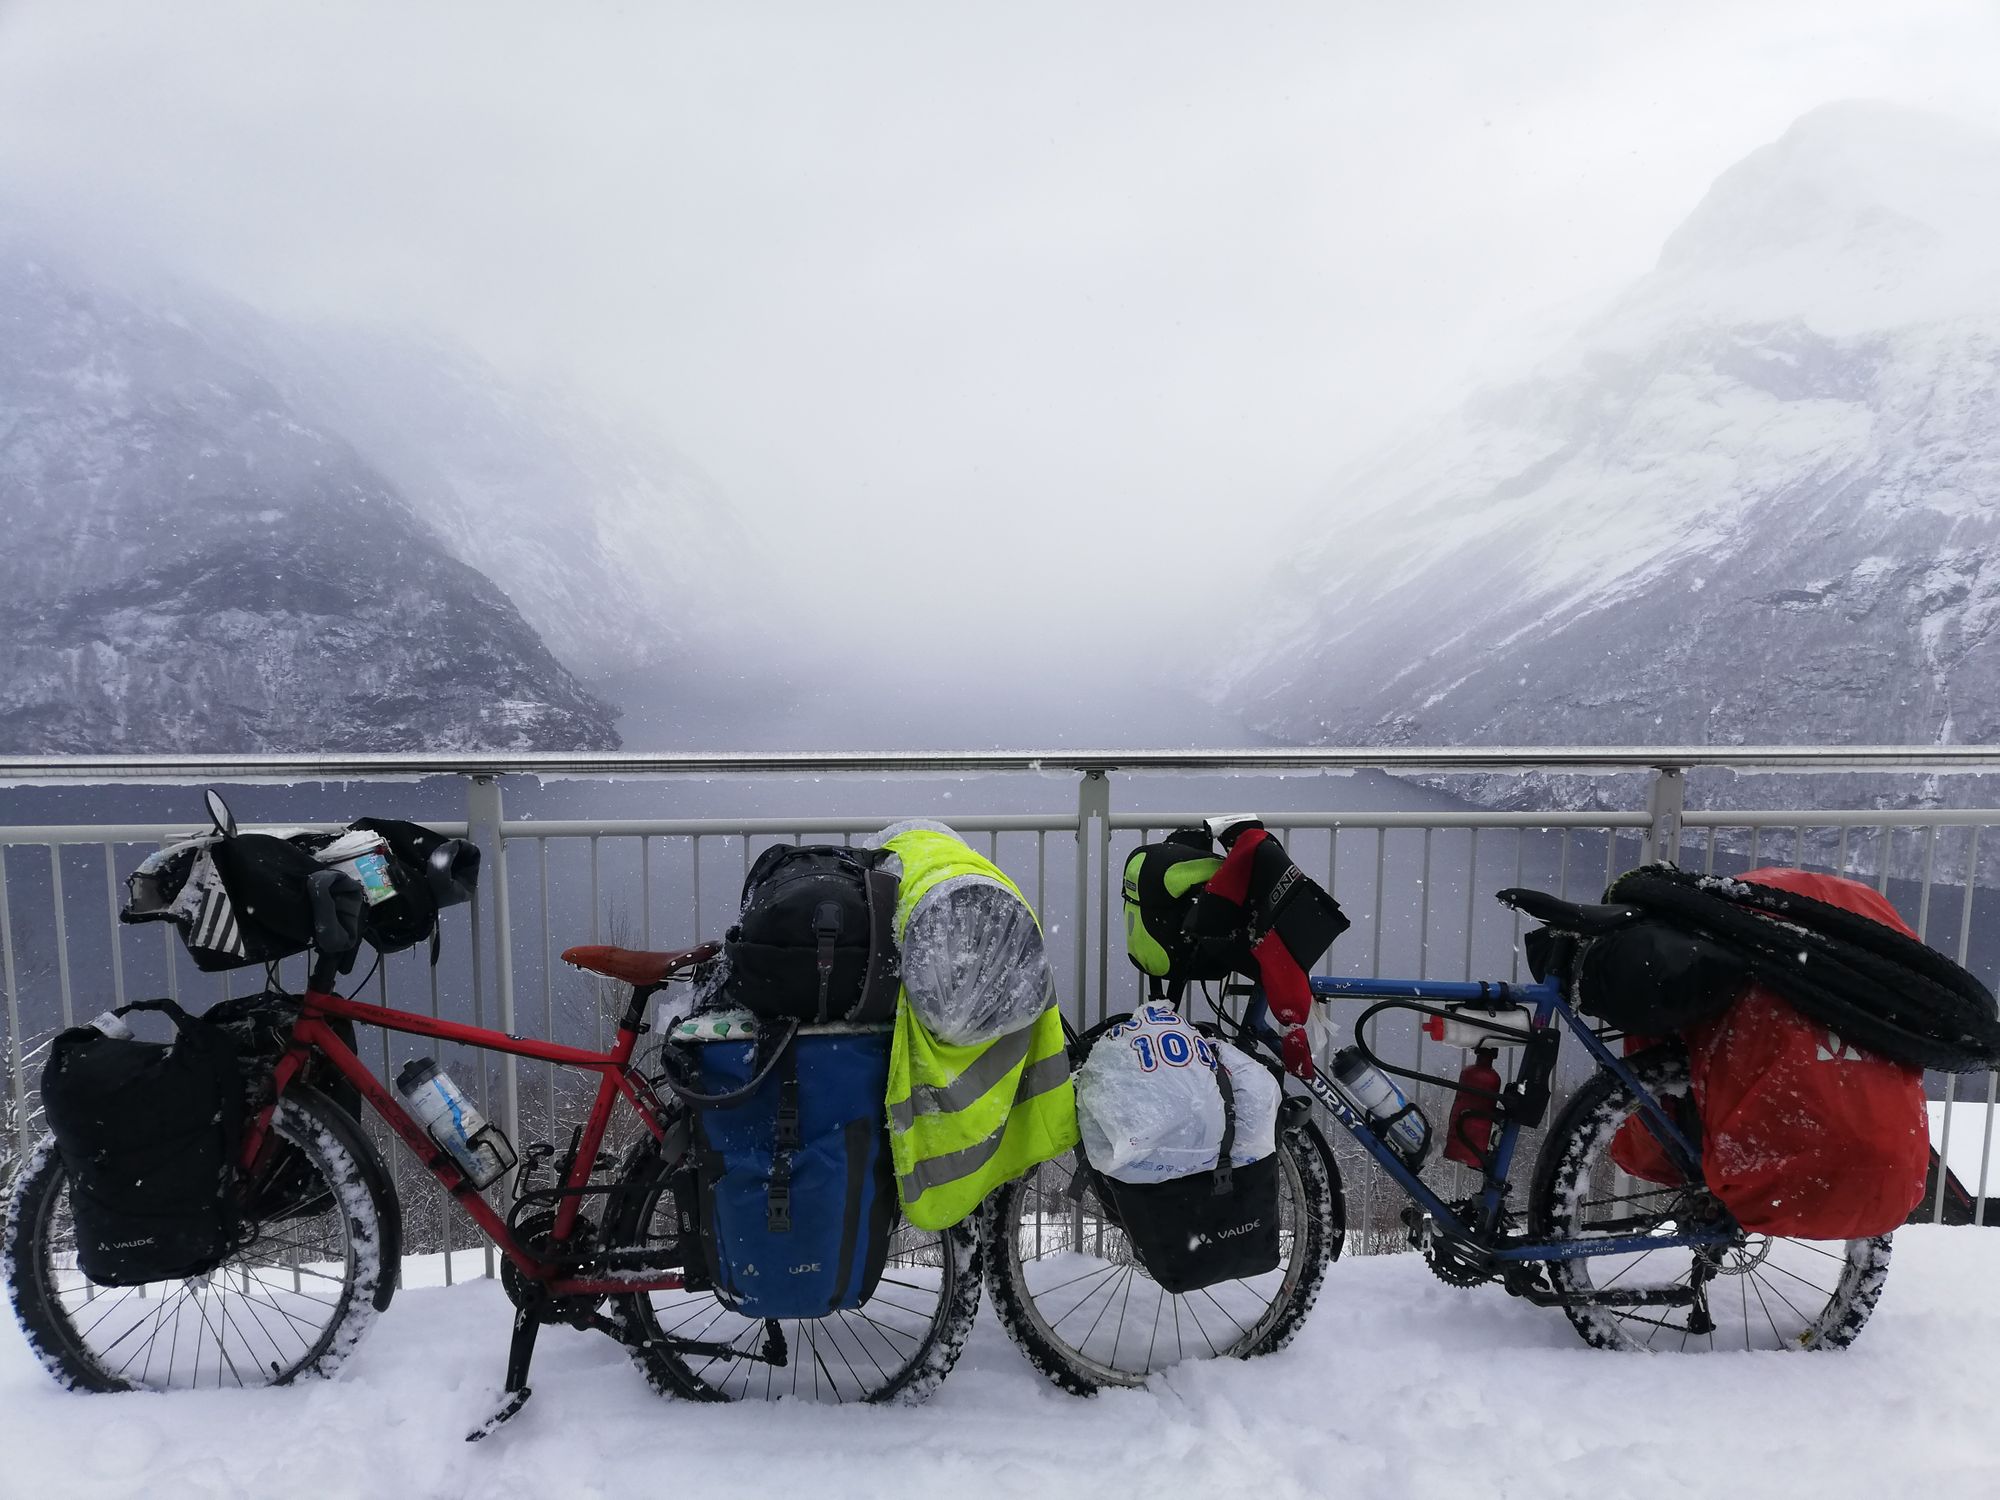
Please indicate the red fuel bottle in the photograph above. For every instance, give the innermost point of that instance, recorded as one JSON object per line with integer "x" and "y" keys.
{"x": 1469, "y": 1134}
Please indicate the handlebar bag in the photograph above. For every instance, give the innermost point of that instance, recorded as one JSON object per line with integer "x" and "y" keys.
{"x": 1196, "y": 1195}
{"x": 1160, "y": 884}
{"x": 148, "y": 1133}
{"x": 243, "y": 899}
{"x": 816, "y": 937}
{"x": 795, "y": 1189}
{"x": 235, "y": 901}
{"x": 421, "y": 871}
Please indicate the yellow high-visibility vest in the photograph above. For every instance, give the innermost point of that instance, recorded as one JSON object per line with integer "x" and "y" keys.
{"x": 964, "y": 1119}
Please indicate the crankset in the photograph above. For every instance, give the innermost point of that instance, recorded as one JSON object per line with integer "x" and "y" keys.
{"x": 1454, "y": 1261}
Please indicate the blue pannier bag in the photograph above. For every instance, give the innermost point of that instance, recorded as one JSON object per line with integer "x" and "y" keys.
{"x": 796, "y": 1190}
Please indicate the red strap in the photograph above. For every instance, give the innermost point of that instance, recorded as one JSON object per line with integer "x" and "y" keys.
{"x": 1286, "y": 986}
{"x": 1232, "y": 881}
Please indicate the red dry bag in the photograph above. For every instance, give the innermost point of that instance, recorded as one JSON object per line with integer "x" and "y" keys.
{"x": 1803, "y": 1133}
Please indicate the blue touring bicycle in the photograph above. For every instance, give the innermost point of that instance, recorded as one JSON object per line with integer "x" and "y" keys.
{"x": 1635, "y": 1263}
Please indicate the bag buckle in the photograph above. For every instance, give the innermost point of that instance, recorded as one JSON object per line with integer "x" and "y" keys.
{"x": 778, "y": 1199}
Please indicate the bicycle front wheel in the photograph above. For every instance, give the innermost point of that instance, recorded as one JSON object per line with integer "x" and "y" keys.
{"x": 1071, "y": 1292}
{"x": 291, "y": 1299}
{"x": 1756, "y": 1291}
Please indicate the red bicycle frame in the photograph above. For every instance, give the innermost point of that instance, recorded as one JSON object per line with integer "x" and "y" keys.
{"x": 616, "y": 1078}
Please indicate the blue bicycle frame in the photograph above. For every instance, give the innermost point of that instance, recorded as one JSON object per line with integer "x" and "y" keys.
{"x": 1547, "y": 1005}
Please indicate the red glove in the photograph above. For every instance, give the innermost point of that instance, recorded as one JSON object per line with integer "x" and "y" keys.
{"x": 1296, "y": 1049}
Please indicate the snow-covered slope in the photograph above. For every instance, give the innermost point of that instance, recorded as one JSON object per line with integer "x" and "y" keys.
{"x": 1755, "y": 500}
{"x": 1397, "y": 1388}
{"x": 614, "y": 547}
{"x": 189, "y": 565}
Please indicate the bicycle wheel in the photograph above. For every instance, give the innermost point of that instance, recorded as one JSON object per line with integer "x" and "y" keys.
{"x": 292, "y": 1299}
{"x": 896, "y": 1346}
{"x": 1070, "y": 1292}
{"x": 1755, "y": 1292}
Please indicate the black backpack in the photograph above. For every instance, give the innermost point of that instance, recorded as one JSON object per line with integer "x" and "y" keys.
{"x": 816, "y": 939}
{"x": 148, "y": 1133}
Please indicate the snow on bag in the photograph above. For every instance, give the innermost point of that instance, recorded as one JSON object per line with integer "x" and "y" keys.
{"x": 1148, "y": 1107}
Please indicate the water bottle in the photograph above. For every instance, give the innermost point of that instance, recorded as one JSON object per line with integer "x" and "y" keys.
{"x": 1374, "y": 1094}
{"x": 480, "y": 1149}
{"x": 1473, "y": 1029}
{"x": 1468, "y": 1134}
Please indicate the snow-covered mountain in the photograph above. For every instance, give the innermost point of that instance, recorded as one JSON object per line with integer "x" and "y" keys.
{"x": 1756, "y": 500}
{"x": 614, "y": 547}
{"x": 192, "y": 565}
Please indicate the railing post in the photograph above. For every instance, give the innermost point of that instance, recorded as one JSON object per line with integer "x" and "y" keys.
{"x": 1665, "y": 801}
{"x": 483, "y": 817}
{"x": 1093, "y": 804}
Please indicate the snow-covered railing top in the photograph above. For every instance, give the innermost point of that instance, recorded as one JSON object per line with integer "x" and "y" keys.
{"x": 32, "y": 769}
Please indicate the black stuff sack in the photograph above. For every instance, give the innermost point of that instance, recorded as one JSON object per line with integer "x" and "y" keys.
{"x": 1653, "y": 978}
{"x": 816, "y": 938}
{"x": 148, "y": 1133}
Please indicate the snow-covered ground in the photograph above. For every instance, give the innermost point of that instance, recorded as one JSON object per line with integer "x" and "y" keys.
{"x": 1398, "y": 1387}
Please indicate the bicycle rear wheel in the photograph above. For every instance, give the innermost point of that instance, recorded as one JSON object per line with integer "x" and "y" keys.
{"x": 1071, "y": 1293}
{"x": 896, "y": 1346}
{"x": 292, "y": 1299}
{"x": 1755, "y": 1292}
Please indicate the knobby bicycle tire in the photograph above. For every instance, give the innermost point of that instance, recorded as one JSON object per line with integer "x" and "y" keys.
{"x": 293, "y": 1299}
{"x": 1057, "y": 1266}
{"x": 895, "y": 1347}
{"x": 1762, "y": 1291}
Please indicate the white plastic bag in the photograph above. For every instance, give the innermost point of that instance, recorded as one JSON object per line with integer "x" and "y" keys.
{"x": 973, "y": 963}
{"x": 1148, "y": 1107}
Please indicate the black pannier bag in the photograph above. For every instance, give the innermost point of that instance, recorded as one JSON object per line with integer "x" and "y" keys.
{"x": 148, "y": 1133}
{"x": 816, "y": 939}
{"x": 1208, "y": 1227}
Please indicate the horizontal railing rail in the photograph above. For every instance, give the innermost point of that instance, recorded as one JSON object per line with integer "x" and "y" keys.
{"x": 45, "y": 769}
{"x": 1417, "y": 881}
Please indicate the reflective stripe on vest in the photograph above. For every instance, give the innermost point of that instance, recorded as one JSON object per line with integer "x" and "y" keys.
{"x": 964, "y": 1119}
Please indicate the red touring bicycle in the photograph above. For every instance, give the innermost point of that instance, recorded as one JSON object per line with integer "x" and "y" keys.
{"x": 610, "y": 1246}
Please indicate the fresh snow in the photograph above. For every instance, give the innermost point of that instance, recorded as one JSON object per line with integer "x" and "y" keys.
{"x": 1397, "y": 1387}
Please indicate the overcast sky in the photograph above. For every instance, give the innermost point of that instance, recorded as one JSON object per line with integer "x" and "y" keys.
{"x": 1056, "y": 295}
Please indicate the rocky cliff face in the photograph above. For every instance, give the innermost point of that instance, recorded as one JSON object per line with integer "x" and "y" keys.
{"x": 1755, "y": 501}
{"x": 191, "y": 566}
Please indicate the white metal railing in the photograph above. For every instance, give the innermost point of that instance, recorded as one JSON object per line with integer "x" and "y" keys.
{"x": 1417, "y": 883}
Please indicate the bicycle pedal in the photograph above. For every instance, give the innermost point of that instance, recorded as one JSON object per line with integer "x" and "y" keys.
{"x": 506, "y": 1410}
